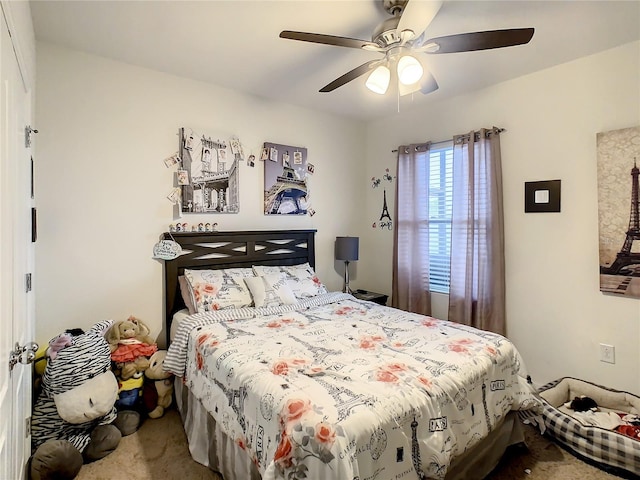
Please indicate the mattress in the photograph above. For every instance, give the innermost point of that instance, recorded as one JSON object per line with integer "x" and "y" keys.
{"x": 591, "y": 435}
{"x": 336, "y": 387}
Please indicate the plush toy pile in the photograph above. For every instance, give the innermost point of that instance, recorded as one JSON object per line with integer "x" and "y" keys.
{"x": 73, "y": 416}
{"x": 91, "y": 394}
{"x": 143, "y": 386}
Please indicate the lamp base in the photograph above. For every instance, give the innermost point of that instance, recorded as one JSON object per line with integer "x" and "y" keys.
{"x": 345, "y": 287}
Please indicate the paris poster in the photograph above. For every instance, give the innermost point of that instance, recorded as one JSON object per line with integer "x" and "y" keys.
{"x": 285, "y": 180}
{"x": 209, "y": 174}
{"x": 619, "y": 211}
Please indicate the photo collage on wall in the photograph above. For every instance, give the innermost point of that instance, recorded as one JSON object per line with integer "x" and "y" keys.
{"x": 208, "y": 174}
{"x": 285, "y": 180}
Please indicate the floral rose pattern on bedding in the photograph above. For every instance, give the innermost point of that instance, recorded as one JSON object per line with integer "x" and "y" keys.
{"x": 350, "y": 389}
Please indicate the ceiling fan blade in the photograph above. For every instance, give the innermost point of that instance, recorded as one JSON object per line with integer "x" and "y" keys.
{"x": 352, "y": 75}
{"x": 329, "y": 40}
{"x": 417, "y": 15}
{"x": 469, "y": 42}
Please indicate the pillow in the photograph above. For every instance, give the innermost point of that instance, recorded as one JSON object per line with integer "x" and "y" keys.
{"x": 187, "y": 294}
{"x": 270, "y": 290}
{"x": 219, "y": 289}
{"x": 302, "y": 280}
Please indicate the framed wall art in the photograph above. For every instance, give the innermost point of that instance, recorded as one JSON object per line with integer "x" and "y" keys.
{"x": 285, "y": 179}
{"x": 208, "y": 177}
{"x": 542, "y": 196}
{"x": 619, "y": 211}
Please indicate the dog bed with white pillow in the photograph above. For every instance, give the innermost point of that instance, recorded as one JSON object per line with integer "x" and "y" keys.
{"x": 614, "y": 452}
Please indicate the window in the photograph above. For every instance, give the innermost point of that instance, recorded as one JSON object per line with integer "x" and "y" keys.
{"x": 440, "y": 206}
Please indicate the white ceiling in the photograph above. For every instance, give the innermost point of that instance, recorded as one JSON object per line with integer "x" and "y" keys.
{"x": 235, "y": 43}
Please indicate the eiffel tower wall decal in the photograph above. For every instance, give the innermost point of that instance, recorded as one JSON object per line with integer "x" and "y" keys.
{"x": 385, "y": 222}
{"x": 619, "y": 211}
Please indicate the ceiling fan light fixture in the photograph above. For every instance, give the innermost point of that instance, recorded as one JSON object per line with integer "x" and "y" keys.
{"x": 378, "y": 81}
{"x": 409, "y": 70}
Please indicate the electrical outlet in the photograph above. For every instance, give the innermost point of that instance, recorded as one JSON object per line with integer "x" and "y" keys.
{"x": 607, "y": 353}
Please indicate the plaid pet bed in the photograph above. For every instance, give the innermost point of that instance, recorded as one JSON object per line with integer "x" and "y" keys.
{"x": 611, "y": 451}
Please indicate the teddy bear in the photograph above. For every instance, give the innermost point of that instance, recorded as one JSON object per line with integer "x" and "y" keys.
{"x": 73, "y": 417}
{"x": 130, "y": 339}
{"x": 158, "y": 389}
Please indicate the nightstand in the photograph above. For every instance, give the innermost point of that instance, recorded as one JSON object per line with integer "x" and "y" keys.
{"x": 371, "y": 296}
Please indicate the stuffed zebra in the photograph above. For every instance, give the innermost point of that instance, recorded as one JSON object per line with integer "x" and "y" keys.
{"x": 73, "y": 415}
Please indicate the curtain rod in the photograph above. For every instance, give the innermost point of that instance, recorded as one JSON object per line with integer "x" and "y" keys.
{"x": 492, "y": 130}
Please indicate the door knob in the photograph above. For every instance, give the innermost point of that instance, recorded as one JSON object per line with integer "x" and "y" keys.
{"x": 23, "y": 354}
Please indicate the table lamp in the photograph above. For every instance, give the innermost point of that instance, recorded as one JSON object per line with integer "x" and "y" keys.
{"x": 347, "y": 250}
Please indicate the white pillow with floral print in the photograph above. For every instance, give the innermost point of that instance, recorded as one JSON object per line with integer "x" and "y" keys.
{"x": 270, "y": 290}
{"x": 302, "y": 279}
{"x": 219, "y": 289}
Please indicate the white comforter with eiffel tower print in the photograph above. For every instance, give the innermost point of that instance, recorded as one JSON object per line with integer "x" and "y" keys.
{"x": 346, "y": 389}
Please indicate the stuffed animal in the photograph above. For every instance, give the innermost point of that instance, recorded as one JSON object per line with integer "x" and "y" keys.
{"x": 73, "y": 415}
{"x": 129, "y": 339}
{"x": 158, "y": 390}
{"x": 130, "y": 378}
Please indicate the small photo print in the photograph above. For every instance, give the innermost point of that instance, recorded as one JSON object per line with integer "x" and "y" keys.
{"x": 222, "y": 154}
{"x": 174, "y": 196}
{"x": 273, "y": 155}
{"x": 265, "y": 154}
{"x": 251, "y": 161}
{"x": 235, "y": 145}
{"x": 172, "y": 160}
{"x": 183, "y": 177}
{"x": 310, "y": 168}
{"x": 285, "y": 159}
{"x": 311, "y": 212}
{"x": 297, "y": 158}
{"x": 189, "y": 141}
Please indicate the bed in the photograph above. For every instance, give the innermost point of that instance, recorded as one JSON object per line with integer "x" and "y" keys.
{"x": 323, "y": 385}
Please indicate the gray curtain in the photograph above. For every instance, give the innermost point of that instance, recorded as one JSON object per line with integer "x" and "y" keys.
{"x": 410, "y": 289}
{"x": 477, "y": 291}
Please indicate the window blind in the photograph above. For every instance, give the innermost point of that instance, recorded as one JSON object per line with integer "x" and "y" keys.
{"x": 440, "y": 206}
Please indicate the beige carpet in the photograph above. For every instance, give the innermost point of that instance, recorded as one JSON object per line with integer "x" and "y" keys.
{"x": 159, "y": 451}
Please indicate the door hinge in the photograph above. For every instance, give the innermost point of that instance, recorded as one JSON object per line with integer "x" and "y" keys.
{"x": 27, "y": 135}
{"x": 28, "y": 282}
{"x": 27, "y": 427}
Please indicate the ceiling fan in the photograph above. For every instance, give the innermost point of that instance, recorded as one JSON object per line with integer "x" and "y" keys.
{"x": 401, "y": 39}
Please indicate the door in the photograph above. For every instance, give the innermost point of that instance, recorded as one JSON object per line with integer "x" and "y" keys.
{"x": 16, "y": 260}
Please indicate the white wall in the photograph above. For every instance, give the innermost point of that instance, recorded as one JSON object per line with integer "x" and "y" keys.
{"x": 101, "y": 186}
{"x": 556, "y": 314}
{"x": 105, "y": 128}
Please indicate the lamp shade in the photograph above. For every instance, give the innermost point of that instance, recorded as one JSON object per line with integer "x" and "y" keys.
{"x": 347, "y": 248}
{"x": 409, "y": 70}
{"x": 378, "y": 81}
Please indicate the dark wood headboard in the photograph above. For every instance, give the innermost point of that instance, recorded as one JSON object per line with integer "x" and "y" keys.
{"x": 215, "y": 250}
